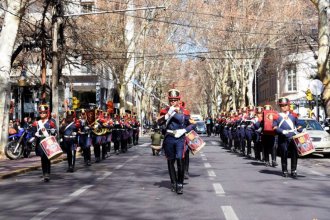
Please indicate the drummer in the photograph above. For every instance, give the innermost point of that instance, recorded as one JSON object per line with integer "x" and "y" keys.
{"x": 286, "y": 126}
{"x": 44, "y": 128}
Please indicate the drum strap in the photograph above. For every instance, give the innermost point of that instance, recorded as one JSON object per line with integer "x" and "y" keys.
{"x": 288, "y": 121}
{"x": 41, "y": 126}
{"x": 68, "y": 126}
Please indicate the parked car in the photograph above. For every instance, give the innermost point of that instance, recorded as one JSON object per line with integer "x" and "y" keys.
{"x": 201, "y": 127}
{"x": 320, "y": 137}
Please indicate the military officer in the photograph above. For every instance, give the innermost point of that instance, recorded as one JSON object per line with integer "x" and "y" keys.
{"x": 286, "y": 126}
{"x": 177, "y": 123}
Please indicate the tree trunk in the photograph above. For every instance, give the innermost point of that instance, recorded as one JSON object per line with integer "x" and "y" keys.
{"x": 7, "y": 40}
{"x": 323, "y": 53}
{"x": 55, "y": 70}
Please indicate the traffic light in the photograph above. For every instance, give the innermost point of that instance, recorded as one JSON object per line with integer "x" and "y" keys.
{"x": 75, "y": 103}
{"x": 309, "y": 95}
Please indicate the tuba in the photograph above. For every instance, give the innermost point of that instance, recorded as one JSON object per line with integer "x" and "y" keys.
{"x": 97, "y": 129}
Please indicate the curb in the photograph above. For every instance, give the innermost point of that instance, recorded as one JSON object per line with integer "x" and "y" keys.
{"x": 27, "y": 169}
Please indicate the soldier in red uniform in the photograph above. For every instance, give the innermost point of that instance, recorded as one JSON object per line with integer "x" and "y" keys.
{"x": 44, "y": 128}
{"x": 176, "y": 121}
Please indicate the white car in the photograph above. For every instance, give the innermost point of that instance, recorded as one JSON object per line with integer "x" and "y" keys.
{"x": 320, "y": 137}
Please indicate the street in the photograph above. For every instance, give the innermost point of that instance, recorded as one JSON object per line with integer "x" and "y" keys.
{"x": 136, "y": 185}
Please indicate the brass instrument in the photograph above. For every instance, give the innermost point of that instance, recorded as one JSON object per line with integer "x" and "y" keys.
{"x": 97, "y": 129}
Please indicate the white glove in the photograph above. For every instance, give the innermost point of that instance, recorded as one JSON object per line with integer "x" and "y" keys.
{"x": 171, "y": 110}
{"x": 178, "y": 133}
{"x": 259, "y": 130}
{"x": 285, "y": 132}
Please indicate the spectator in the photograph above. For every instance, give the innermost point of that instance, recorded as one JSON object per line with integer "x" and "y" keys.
{"x": 13, "y": 128}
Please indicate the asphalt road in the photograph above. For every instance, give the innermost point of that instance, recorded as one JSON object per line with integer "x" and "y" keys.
{"x": 135, "y": 185}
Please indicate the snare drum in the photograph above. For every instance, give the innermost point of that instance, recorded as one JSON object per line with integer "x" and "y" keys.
{"x": 194, "y": 142}
{"x": 50, "y": 147}
{"x": 303, "y": 144}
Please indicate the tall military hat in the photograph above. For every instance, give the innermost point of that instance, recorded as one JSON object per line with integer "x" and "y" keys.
{"x": 259, "y": 109}
{"x": 43, "y": 108}
{"x": 283, "y": 101}
{"x": 70, "y": 112}
{"x": 268, "y": 107}
{"x": 174, "y": 94}
{"x": 251, "y": 108}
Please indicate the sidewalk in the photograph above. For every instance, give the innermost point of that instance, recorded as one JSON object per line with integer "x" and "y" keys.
{"x": 10, "y": 168}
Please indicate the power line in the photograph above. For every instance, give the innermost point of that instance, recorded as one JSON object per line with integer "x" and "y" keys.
{"x": 222, "y": 16}
{"x": 196, "y": 26}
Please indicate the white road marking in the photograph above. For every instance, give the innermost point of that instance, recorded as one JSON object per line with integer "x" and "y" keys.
{"x": 202, "y": 155}
{"x": 310, "y": 171}
{"x": 214, "y": 143}
{"x": 218, "y": 189}
{"x": 119, "y": 166}
{"x": 76, "y": 193}
{"x": 207, "y": 165}
{"x": 229, "y": 213}
{"x": 317, "y": 173}
{"x": 104, "y": 176}
{"x": 44, "y": 213}
{"x": 204, "y": 158}
{"x": 211, "y": 173}
{"x": 81, "y": 190}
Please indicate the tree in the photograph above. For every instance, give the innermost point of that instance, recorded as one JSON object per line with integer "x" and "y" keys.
{"x": 13, "y": 15}
{"x": 323, "y": 51}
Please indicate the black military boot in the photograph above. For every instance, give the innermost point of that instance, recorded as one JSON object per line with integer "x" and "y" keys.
{"x": 74, "y": 152}
{"x": 179, "y": 185}
{"x": 186, "y": 165}
{"x": 171, "y": 171}
{"x": 294, "y": 161}
{"x": 285, "y": 170}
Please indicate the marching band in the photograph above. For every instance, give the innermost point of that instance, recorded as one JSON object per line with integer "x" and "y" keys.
{"x": 83, "y": 129}
{"x": 262, "y": 126}
{"x": 249, "y": 128}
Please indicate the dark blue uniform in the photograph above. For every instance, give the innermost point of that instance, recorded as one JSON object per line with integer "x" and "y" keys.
{"x": 285, "y": 126}
{"x": 68, "y": 131}
{"x": 85, "y": 140}
{"x": 173, "y": 144}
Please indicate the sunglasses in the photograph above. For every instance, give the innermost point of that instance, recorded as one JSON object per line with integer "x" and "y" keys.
{"x": 43, "y": 113}
{"x": 283, "y": 105}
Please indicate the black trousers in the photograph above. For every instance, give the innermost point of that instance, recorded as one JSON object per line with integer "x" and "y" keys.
{"x": 287, "y": 146}
{"x": 268, "y": 142}
{"x": 45, "y": 164}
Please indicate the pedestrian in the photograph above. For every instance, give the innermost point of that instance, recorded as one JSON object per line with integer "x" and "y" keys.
{"x": 44, "y": 127}
{"x": 177, "y": 123}
{"x": 12, "y": 127}
{"x": 286, "y": 126}
{"x": 156, "y": 141}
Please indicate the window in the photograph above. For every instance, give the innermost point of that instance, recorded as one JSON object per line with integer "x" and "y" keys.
{"x": 291, "y": 78}
{"x": 87, "y": 7}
